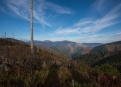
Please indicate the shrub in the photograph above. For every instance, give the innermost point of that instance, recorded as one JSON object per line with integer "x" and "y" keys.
{"x": 41, "y": 75}
{"x": 64, "y": 75}
{"x": 107, "y": 69}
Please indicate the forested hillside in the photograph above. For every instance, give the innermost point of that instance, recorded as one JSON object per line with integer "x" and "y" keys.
{"x": 18, "y": 69}
{"x": 107, "y": 53}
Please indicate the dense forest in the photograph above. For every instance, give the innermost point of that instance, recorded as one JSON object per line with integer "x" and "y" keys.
{"x": 19, "y": 69}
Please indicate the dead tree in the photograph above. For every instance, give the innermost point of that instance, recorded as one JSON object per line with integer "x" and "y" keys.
{"x": 31, "y": 27}
{"x": 31, "y": 30}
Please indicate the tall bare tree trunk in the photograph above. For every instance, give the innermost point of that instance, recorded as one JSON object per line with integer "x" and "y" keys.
{"x": 31, "y": 27}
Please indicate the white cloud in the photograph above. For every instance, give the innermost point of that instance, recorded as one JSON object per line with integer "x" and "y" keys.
{"x": 92, "y": 26}
{"x": 59, "y": 9}
{"x": 21, "y": 13}
{"x": 21, "y": 8}
{"x": 101, "y": 38}
{"x": 67, "y": 31}
{"x": 83, "y": 22}
{"x": 109, "y": 19}
{"x": 40, "y": 19}
{"x": 88, "y": 29}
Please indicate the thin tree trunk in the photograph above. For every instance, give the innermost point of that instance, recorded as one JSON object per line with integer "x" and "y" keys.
{"x": 31, "y": 27}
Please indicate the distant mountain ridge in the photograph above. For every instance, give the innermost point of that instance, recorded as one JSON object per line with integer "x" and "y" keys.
{"x": 67, "y": 45}
{"x": 57, "y": 43}
{"x": 109, "y": 47}
{"x": 65, "y": 42}
{"x": 65, "y": 48}
{"x": 92, "y": 44}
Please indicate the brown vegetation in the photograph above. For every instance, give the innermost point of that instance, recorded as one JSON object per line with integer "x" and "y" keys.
{"x": 18, "y": 69}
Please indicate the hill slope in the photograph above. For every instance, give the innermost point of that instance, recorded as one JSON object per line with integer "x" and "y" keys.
{"x": 13, "y": 52}
{"x": 107, "y": 53}
{"x": 109, "y": 47}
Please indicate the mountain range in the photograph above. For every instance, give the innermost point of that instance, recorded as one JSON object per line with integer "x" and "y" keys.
{"x": 67, "y": 48}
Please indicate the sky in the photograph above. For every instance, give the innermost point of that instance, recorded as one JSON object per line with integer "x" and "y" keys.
{"x": 83, "y": 21}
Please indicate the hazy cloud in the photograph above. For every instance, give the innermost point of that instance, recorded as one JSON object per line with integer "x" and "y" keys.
{"x": 21, "y": 8}
{"x": 59, "y": 9}
{"x": 91, "y": 26}
{"x": 88, "y": 29}
{"x": 67, "y": 31}
{"x": 100, "y": 38}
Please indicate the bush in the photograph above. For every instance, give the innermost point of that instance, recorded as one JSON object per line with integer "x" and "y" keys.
{"x": 107, "y": 69}
{"x": 41, "y": 75}
{"x": 64, "y": 75}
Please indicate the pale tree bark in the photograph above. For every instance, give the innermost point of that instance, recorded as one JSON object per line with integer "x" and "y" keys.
{"x": 31, "y": 27}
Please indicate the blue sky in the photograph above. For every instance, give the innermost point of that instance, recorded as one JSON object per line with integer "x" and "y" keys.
{"x": 57, "y": 20}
